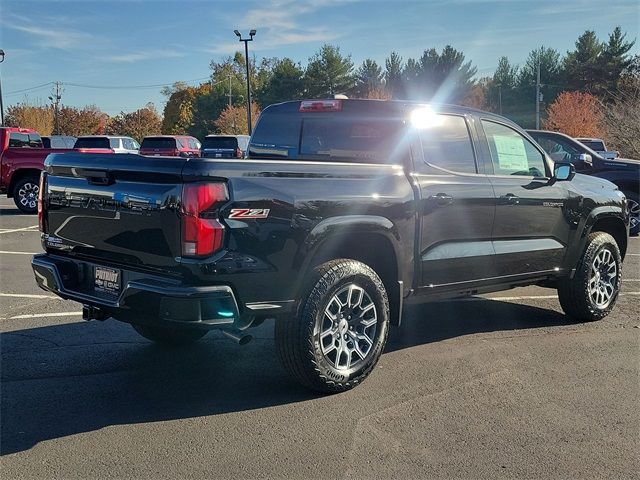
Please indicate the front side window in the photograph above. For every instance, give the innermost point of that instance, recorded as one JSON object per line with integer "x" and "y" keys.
{"x": 511, "y": 152}
{"x": 447, "y": 144}
{"x": 35, "y": 140}
{"x": 129, "y": 144}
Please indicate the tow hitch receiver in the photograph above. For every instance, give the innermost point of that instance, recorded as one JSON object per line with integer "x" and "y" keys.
{"x": 93, "y": 313}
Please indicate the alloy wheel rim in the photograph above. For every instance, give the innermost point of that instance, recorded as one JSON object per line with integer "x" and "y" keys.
{"x": 348, "y": 327}
{"x": 28, "y": 195}
{"x": 603, "y": 279}
{"x": 634, "y": 212}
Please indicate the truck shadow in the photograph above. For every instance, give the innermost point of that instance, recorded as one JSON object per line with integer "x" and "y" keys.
{"x": 72, "y": 378}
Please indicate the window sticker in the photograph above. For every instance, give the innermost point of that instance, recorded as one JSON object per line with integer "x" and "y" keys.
{"x": 512, "y": 155}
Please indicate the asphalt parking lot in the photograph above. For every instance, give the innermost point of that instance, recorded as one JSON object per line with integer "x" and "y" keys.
{"x": 505, "y": 387}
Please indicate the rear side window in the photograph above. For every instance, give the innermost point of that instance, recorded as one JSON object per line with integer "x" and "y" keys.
{"x": 92, "y": 142}
{"x": 243, "y": 142}
{"x": 597, "y": 146}
{"x": 447, "y": 144}
{"x": 129, "y": 144}
{"x": 511, "y": 152}
{"x": 114, "y": 142}
{"x": 228, "y": 143}
{"x": 276, "y": 136}
{"x": 159, "y": 143}
{"x": 349, "y": 138}
{"x": 18, "y": 140}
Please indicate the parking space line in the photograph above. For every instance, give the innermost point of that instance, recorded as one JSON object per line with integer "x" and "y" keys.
{"x": 42, "y": 315}
{"x": 6, "y": 252}
{"x": 25, "y": 295}
{"x": 25, "y": 229}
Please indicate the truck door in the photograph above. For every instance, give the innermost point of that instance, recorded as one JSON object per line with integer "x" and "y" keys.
{"x": 533, "y": 216}
{"x": 456, "y": 205}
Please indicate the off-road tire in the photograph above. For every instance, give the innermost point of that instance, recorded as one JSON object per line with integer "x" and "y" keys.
{"x": 25, "y": 204}
{"x": 297, "y": 336}
{"x": 574, "y": 293}
{"x": 167, "y": 335}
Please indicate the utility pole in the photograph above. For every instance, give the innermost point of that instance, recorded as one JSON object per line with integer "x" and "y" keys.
{"x": 538, "y": 96}
{"x": 500, "y": 98}
{"x": 56, "y": 96}
{"x": 229, "y": 90}
{"x": 1, "y": 105}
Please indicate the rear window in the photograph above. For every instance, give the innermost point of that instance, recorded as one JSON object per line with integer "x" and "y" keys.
{"x": 92, "y": 142}
{"x": 345, "y": 138}
{"x": 159, "y": 143}
{"x": 597, "y": 146}
{"x": 229, "y": 143}
{"x": 325, "y": 136}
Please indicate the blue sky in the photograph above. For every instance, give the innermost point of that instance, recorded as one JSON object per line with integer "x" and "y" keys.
{"x": 108, "y": 43}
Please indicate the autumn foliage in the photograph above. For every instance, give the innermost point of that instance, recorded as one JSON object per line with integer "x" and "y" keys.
{"x": 233, "y": 119}
{"x": 576, "y": 114}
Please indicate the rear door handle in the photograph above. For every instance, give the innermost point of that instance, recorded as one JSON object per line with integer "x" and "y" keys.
{"x": 510, "y": 198}
{"x": 441, "y": 199}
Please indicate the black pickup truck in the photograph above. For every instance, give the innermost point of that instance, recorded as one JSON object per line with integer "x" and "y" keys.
{"x": 344, "y": 211}
{"x": 623, "y": 172}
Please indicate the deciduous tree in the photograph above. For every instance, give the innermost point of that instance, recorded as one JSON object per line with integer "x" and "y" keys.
{"x": 137, "y": 124}
{"x": 233, "y": 120}
{"x": 31, "y": 115}
{"x": 89, "y": 120}
{"x": 576, "y": 114}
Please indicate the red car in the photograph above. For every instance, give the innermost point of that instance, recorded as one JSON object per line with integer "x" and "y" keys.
{"x": 21, "y": 160}
{"x": 170, "y": 146}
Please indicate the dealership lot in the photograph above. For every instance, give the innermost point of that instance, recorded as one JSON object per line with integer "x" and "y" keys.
{"x": 501, "y": 387}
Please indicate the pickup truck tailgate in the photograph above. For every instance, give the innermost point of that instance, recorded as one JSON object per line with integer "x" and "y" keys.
{"x": 118, "y": 208}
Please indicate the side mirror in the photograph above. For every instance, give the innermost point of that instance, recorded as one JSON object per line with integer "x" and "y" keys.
{"x": 563, "y": 172}
{"x": 586, "y": 158}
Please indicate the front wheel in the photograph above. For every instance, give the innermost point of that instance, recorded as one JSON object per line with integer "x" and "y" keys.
{"x": 594, "y": 289}
{"x": 25, "y": 194}
{"x": 167, "y": 335}
{"x": 340, "y": 329}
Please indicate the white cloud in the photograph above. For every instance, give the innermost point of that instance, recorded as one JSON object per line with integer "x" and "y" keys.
{"x": 132, "y": 57}
{"x": 63, "y": 39}
{"x": 283, "y": 22}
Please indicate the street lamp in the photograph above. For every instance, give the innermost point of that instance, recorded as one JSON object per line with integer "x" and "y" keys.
{"x": 1, "y": 105}
{"x": 246, "y": 41}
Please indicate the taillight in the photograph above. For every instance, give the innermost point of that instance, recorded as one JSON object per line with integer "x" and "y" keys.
{"x": 41, "y": 188}
{"x": 202, "y": 233}
{"x": 238, "y": 153}
{"x": 321, "y": 105}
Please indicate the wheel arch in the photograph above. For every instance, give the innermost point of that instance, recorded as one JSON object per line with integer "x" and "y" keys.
{"x": 614, "y": 226}
{"x": 372, "y": 240}
{"x": 19, "y": 175}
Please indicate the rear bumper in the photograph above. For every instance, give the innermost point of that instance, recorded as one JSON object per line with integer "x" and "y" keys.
{"x": 141, "y": 296}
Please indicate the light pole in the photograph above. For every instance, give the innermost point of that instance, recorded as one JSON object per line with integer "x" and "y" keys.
{"x": 246, "y": 58}
{"x": 1, "y": 105}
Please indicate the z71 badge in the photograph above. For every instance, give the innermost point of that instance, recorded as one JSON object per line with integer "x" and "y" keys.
{"x": 252, "y": 213}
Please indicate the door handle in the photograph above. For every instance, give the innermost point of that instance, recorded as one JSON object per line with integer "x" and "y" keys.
{"x": 441, "y": 199}
{"x": 510, "y": 198}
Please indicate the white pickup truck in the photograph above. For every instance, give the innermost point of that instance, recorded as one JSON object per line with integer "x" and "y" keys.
{"x": 597, "y": 144}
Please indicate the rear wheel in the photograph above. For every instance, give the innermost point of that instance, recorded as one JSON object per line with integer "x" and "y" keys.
{"x": 167, "y": 335}
{"x": 341, "y": 328}
{"x": 633, "y": 204}
{"x": 594, "y": 289}
{"x": 25, "y": 194}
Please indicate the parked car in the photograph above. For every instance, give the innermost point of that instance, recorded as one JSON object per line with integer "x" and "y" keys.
{"x": 623, "y": 172}
{"x": 598, "y": 146}
{"x": 116, "y": 143}
{"x": 224, "y": 146}
{"x": 21, "y": 159}
{"x": 170, "y": 146}
{"x": 345, "y": 210}
{"x": 59, "y": 141}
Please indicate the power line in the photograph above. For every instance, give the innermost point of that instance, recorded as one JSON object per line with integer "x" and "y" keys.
{"x": 131, "y": 87}
{"x": 30, "y": 88}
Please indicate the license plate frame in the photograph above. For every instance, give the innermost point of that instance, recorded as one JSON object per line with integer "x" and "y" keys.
{"x": 107, "y": 280}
